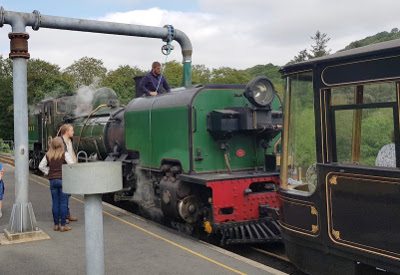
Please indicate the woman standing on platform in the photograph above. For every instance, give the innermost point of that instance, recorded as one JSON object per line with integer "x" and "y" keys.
{"x": 67, "y": 134}
{"x": 51, "y": 165}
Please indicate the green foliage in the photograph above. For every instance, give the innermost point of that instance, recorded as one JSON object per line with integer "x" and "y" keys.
{"x": 174, "y": 74}
{"x": 46, "y": 80}
{"x": 302, "y": 56}
{"x": 6, "y": 102}
{"x": 269, "y": 70}
{"x": 6, "y": 67}
{"x": 377, "y": 130}
{"x": 318, "y": 49}
{"x": 86, "y": 70}
{"x": 122, "y": 82}
{"x": 305, "y": 138}
{"x": 344, "y": 130}
{"x": 200, "y": 74}
{"x": 377, "y": 38}
{"x": 5, "y": 148}
{"x": 6, "y": 107}
{"x": 228, "y": 75}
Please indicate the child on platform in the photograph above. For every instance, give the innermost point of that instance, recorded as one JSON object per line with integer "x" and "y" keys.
{"x": 51, "y": 165}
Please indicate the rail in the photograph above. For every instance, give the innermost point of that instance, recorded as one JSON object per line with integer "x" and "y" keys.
{"x": 7, "y": 158}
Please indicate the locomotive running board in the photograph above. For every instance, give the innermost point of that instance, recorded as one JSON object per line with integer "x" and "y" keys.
{"x": 263, "y": 230}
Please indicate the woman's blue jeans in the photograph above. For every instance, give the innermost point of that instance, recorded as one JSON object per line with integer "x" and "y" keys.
{"x": 59, "y": 201}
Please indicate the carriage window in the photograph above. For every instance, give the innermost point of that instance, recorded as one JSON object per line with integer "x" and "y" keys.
{"x": 372, "y": 93}
{"x": 360, "y": 142}
{"x": 381, "y": 92}
{"x": 364, "y": 123}
{"x": 300, "y": 168}
{"x": 342, "y": 96}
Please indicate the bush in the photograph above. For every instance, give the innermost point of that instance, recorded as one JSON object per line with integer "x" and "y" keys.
{"x": 5, "y": 148}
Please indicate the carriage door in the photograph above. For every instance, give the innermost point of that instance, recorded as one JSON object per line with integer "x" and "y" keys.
{"x": 48, "y": 124}
{"x": 362, "y": 179}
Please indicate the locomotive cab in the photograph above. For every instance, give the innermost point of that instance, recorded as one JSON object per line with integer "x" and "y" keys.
{"x": 44, "y": 121}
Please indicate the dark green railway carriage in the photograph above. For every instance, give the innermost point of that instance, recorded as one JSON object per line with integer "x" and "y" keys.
{"x": 340, "y": 162}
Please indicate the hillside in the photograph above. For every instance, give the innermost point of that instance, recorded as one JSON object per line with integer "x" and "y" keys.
{"x": 377, "y": 38}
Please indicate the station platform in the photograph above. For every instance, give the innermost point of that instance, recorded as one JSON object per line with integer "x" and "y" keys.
{"x": 132, "y": 245}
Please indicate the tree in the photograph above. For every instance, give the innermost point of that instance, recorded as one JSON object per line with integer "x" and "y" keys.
{"x": 6, "y": 67}
{"x": 6, "y": 102}
{"x": 302, "y": 56}
{"x": 45, "y": 80}
{"x": 377, "y": 38}
{"x": 229, "y": 76}
{"x": 174, "y": 73}
{"x": 319, "y": 49}
{"x": 122, "y": 82}
{"x": 86, "y": 70}
{"x": 200, "y": 74}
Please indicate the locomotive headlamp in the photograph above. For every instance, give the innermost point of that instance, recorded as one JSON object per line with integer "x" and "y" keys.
{"x": 260, "y": 91}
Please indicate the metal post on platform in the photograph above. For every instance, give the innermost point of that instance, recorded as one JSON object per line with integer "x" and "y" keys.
{"x": 94, "y": 234}
{"x": 22, "y": 222}
{"x": 92, "y": 180}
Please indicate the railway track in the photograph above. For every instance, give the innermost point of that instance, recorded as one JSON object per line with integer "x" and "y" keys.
{"x": 278, "y": 255}
{"x": 7, "y": 158}
{"x": 269, "y": 255}
{"x": 260, "y": 254}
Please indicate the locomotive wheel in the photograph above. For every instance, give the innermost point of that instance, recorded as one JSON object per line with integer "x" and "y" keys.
{"x": 189, "y": 209}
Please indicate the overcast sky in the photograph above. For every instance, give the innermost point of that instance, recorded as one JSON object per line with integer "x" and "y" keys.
{"x": 233, "y": 33}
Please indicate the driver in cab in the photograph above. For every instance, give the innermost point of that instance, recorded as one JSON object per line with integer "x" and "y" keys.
{"x": 150, "y": 81}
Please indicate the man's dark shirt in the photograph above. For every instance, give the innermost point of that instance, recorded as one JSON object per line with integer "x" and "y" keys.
{"x": 149, "y": 84}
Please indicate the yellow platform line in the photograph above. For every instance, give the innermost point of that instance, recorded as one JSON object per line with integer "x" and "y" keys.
{"x": 157, "y": 236}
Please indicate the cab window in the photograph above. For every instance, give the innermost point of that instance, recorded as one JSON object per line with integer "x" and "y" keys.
{"x": 61, "y": 107}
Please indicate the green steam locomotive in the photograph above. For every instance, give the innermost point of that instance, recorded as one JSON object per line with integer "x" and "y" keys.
{"x": 200, "y": 158}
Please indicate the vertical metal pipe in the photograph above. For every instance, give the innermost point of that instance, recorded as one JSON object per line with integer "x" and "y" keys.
{"x": 20, "y": 130}
{"x": 187, "y": 74}
{"x": 22, "y": 219}
{"x": 21, "y": 152}
{"x": 94, "y": 235}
